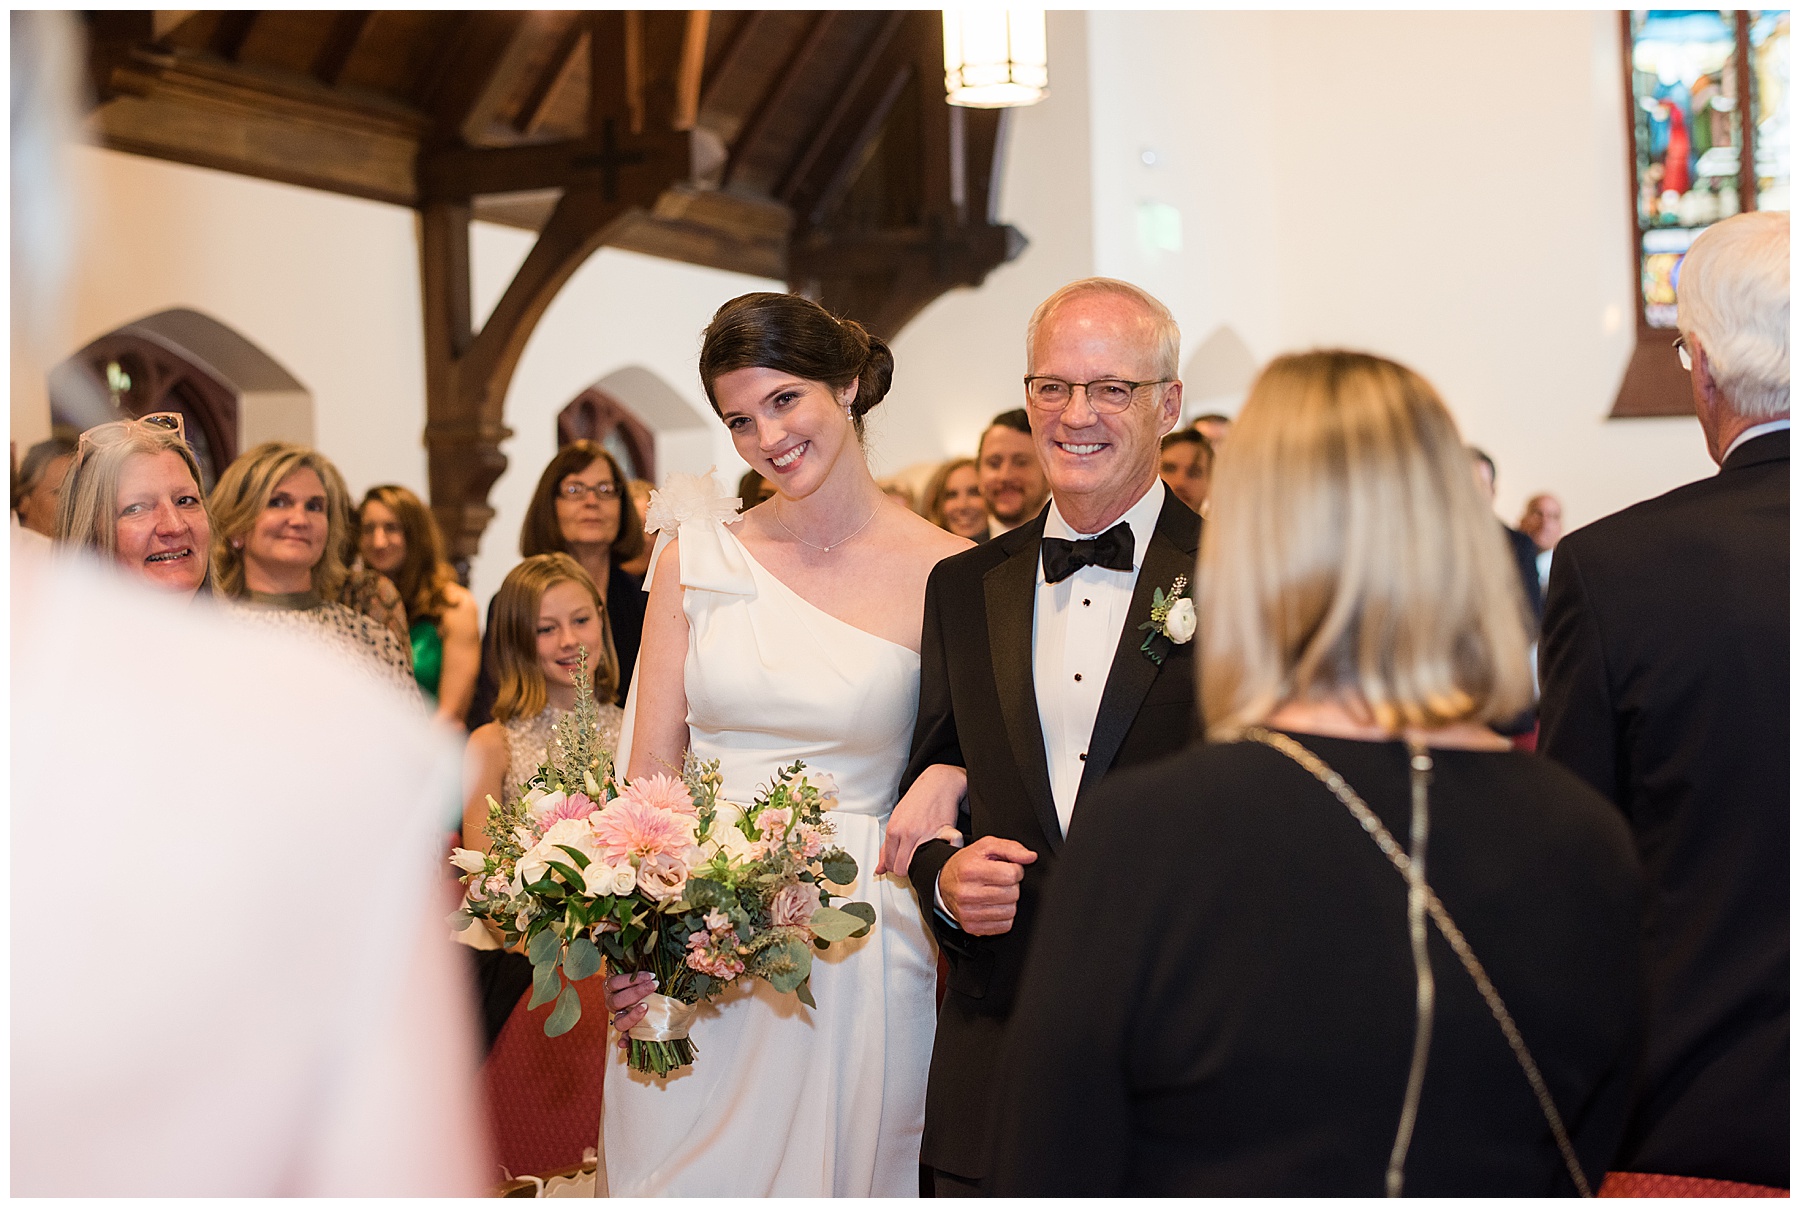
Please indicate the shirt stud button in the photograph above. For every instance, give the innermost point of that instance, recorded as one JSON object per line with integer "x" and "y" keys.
{"x": 1086, "y": 603}
{"x": 1078, "y": 677}
{"x": 1084, "y": 757}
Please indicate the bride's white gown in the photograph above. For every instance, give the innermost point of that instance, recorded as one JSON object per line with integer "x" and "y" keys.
{"x": 783, "y": 1099}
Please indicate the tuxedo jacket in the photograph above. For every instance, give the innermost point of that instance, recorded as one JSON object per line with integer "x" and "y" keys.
{"x": 978, "y": 710}
{"x": 1665, "y": 685}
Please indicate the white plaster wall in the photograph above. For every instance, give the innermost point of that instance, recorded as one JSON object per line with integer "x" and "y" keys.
{"x": 326, "y": 285}
{"x": 1443, "y": 188}
{"x": 959, "y": 362}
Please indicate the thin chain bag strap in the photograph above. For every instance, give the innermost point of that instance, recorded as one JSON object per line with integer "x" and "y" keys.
{"x": 1397, "y": 856}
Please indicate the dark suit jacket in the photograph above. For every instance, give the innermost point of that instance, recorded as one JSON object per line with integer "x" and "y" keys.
{"x": 1665, "y": 669}
{"x": 978, "y": 710}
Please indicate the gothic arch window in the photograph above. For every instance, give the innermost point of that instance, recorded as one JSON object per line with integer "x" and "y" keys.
{"x": 230, "y": 393}
{"x": 1707, "y": 108}
{"x": 598, "y": 416}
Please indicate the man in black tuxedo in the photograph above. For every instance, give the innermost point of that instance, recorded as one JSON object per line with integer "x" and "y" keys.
{"x": 1665, "y": 677}
{"x": 1037, "y": 678}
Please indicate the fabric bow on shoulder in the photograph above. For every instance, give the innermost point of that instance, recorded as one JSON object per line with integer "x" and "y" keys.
{"x": 695, "y": 506}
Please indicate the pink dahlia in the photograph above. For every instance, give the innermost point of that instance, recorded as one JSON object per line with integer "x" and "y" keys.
{"x": 663, "y": 792}
{"x": 575, "y": 805}
{"x": 630, "y": 827}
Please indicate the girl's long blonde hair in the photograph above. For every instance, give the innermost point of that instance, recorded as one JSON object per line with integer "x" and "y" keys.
{"x": 523, "y": 692}
{"x": 1350, "y": 558}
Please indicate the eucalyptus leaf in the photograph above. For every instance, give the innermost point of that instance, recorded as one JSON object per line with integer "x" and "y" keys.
{"x": 544, "y": 948}
{"x": 804, "y": 993}
{"x": 840, "y": 869}
{"x": 831, "y": 924}
{"x": 566, "y": 1015}
{"x": 460, "y": 920}
{"x": 863, "y": 911}
{"x": 789, "y": 964}
{"x": 544, "y": 986}
{"x": 582, "y": 960}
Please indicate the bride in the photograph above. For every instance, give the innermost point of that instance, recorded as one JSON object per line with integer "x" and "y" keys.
{"x": 791, "y": 634}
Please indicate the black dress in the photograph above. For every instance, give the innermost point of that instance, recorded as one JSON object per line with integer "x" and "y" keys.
{"x": 624, "y": 612}
{"x": 1219, "y": 998}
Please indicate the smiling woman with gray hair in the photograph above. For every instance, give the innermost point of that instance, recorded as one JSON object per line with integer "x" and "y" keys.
{"x": 1368, "y": 947}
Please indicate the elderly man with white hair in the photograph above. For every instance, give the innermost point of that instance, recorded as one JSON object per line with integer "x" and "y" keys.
{"x": 1665, "y": 685}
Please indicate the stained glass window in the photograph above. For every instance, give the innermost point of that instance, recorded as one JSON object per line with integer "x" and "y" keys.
{"x": 1708, "y": 91}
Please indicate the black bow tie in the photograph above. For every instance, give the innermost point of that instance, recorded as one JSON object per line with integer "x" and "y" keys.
{"x": 1111, "y": 550}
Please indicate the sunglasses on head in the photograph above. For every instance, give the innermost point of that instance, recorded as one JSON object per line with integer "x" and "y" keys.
{"x": 109, "y": 433}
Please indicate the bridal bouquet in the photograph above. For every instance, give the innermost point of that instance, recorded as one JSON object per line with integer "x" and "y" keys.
{"x": 660, "y": 874}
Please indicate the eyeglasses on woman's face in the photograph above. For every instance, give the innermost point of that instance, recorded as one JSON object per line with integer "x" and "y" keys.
{"x": 574, "y": 490}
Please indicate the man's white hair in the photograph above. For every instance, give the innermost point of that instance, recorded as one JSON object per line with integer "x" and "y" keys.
{"x": 1732, "y": 298}
{"x": 1167, "y": 333}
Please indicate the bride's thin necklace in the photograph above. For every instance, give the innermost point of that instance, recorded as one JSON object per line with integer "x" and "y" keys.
{"x": 824, "y": 549}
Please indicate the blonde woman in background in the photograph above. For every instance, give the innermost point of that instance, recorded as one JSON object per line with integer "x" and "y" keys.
{"x": 280, "y": 520}
{"x": 399, "y": 539}
{"x": 132, "y": 495}
{"x": 1285, "y": 1016}
{"x": 953, "y": 500}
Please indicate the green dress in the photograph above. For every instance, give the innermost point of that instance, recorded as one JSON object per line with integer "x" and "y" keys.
{"x": 428, "y": 656}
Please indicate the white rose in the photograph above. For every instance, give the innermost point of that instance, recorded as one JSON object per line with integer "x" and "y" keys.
{"x": 538, "y": 803}
{"x": 570, "y": 832}
{"x": 662, "y": 877}
{"x": 1181, "y": 621}
{"x": 734, "y": 844}
{"x": 604, "y": 879}
{"x": 468, "y": 861}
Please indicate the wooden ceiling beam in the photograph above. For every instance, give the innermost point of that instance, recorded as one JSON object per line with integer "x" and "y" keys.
{"x": 470, "y": 75}
{"x": 230, "y": 34}
{"x": 690, "y": 72}
{"x": 634, "y": 164}
{"x": 569, "y": 43}
{"x": 883, "y": 90}
{"x": 729, "y": 58}
{"x": 346, "y": 35}
{"x": 777, "y": 97}
{"x": 847, "y": 96}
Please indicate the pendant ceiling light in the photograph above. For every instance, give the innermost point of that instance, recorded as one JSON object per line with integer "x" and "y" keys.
{"x": 994, "y": 58}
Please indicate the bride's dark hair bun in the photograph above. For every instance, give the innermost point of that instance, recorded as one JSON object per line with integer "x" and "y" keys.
{"x": 796, "y": 335}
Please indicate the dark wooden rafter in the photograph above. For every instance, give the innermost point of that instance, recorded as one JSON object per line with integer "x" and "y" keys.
{"x": 810, "y": 146}
{"x": 604, "y": 177}
{"x": 347, "y": 30}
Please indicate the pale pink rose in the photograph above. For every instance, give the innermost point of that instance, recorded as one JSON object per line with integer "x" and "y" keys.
{"x": 811, "y": 840}
{"x": 662, "y": 877}
{"x": 663, "y": 792}
{"x": 773, "y": 823}
{"x": 562, "y": 808}
{"x": 496, "y": 884}
{"x": 630, "y": 827}
{"x": 794, "y": 905}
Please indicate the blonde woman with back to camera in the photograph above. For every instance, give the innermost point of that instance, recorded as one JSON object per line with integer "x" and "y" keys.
{"x": 1370, "y": 949}
{"x": 280, "y": 521}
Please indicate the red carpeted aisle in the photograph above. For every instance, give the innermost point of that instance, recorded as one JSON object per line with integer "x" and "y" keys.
{"x": 543, "y": 1093}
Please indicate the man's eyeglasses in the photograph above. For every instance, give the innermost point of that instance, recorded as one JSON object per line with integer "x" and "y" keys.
{"x": 110, "y": 433}
{"x": 1681, "y": 350}
{"x": 1109, "y": 396}
{"x": 603, "y": 492}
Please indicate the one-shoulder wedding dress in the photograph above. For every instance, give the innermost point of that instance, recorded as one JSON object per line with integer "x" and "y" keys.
{"x": 785, "y": 1099}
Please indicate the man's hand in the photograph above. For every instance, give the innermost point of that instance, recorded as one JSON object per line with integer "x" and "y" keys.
{"x": 980, "y": 884}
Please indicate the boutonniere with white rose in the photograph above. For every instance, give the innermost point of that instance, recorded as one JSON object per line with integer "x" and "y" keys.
{"x": 1172, "y": 618}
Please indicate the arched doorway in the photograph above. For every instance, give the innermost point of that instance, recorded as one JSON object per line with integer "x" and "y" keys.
{"x": 230, "y": 393}
{"x": 598, "y": 416}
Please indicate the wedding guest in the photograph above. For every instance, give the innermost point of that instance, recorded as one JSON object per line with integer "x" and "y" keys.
{"x": 133, "y": 496}
{"x": 899, "y": 491}
{"x": 1215, "y": 428}
{"x": 545, "y": 611}
{"x": 753, "y": 489}
{"x": 367, "y": 591}
{"x": 1280, "y": 1011}
{"x": 400, "y": 539}
{"x": 1036, "y": 681}
{"x": 580, "y": 508}
{"x": 1186, "y": 467}
{"x": 1542, "y": 521}
{"x": 37, "y": 486}
{"x": 640, "y": 499}
{"x": 1666, "y": 687}
{"x": 1011, "y": 475}
{"x": 280, "y": 516}
{"x": 953, "y": 500}
{"x": 1524, "y": 549}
